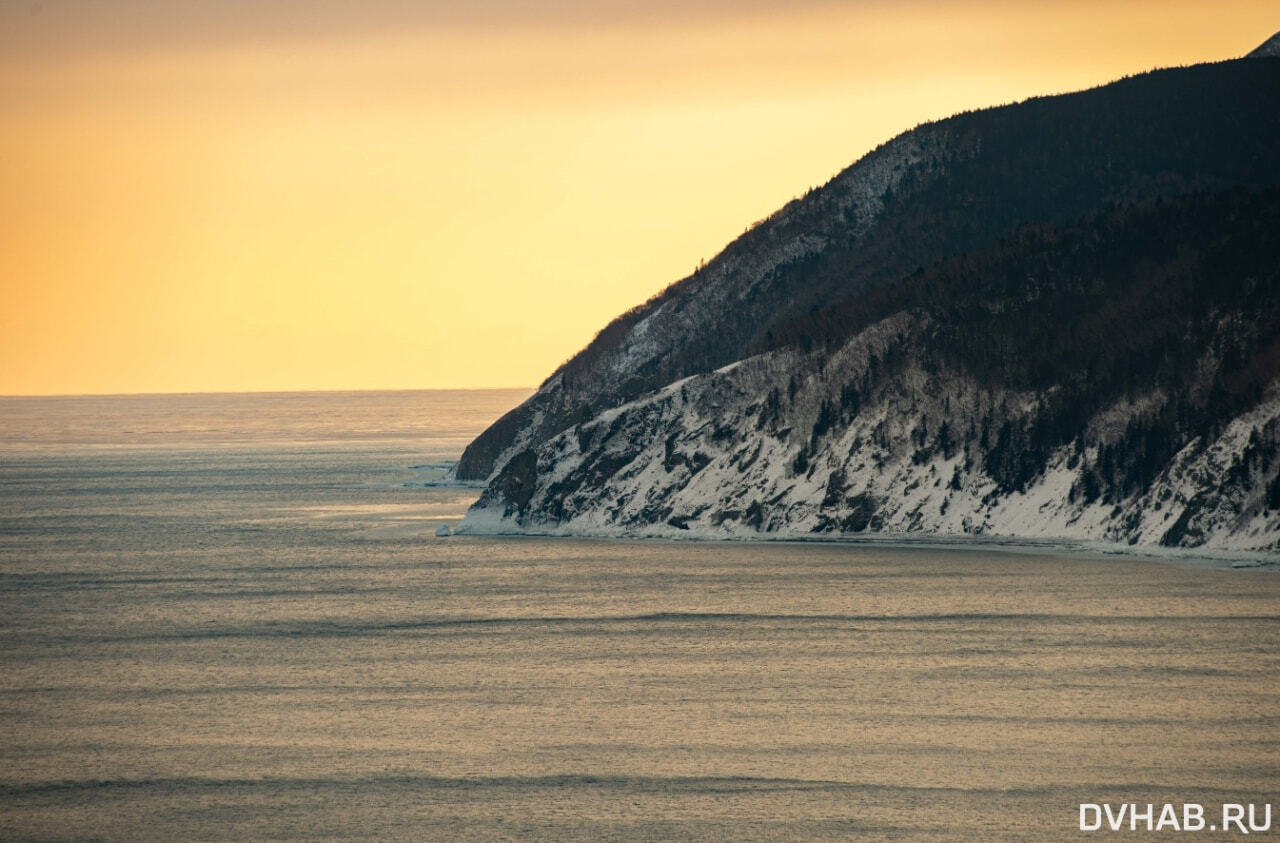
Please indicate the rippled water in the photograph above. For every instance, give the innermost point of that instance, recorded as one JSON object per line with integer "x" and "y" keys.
{"x": 227, "y": 617}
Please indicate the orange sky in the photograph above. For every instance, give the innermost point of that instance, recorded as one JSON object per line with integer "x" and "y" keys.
{"x": 312, "y": 194}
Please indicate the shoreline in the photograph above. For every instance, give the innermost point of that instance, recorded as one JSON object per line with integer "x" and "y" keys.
{"x": 1221, "y": 559}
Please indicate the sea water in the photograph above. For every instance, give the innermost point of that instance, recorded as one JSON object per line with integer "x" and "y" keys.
{"x": 228, "y": 617}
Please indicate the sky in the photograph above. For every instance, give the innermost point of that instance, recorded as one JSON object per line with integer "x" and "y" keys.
{"x": 312, "y": 194}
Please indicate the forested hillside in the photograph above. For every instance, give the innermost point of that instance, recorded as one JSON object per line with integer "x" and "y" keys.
{"x": 1068, "y": 304}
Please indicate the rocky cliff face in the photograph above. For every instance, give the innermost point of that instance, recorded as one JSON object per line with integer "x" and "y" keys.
{"x": 1049, "y": 319}
{"x": 707, "y": 457}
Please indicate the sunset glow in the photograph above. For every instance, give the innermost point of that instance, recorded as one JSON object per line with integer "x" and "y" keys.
{"x": 278, "y": 195}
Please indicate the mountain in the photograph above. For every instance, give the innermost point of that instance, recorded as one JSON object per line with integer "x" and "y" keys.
{"x": 1054, "y": 318}
{"x": 1268, "y": 48}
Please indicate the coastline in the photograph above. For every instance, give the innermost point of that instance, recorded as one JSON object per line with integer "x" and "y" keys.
{"x": 1222, "y": 559}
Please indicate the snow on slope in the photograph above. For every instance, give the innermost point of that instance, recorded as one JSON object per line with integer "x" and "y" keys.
{"x": 731, "y": 455}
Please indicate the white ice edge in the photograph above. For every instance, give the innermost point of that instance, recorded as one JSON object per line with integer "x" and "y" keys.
{"x": 483, "y": 524}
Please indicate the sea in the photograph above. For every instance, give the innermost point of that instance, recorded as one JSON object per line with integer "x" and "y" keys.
{"x": 229, "y": 617}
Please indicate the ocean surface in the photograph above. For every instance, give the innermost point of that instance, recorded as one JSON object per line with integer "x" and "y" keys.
{"x": 228, "y": 617}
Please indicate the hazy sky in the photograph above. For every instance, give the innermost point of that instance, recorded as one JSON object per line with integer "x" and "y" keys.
{"x": 279, "y": 194}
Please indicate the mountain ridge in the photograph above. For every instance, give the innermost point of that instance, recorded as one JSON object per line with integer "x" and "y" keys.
{"x": 940, "y": 192}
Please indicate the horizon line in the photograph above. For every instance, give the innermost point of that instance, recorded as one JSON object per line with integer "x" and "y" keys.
{"x": 179, "y": 393}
